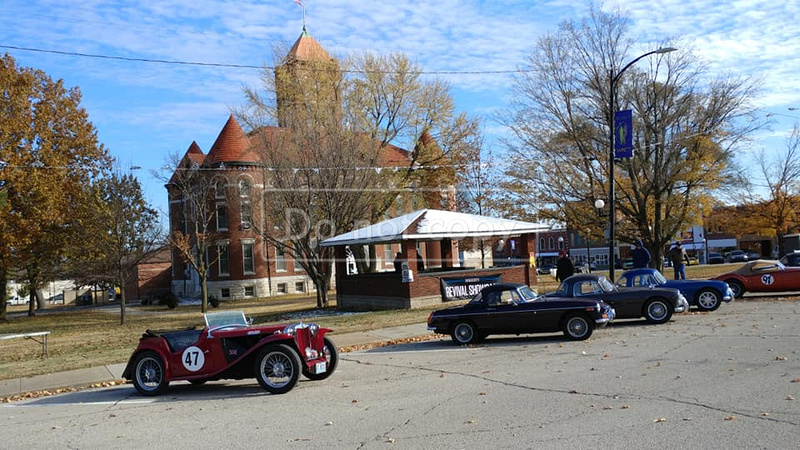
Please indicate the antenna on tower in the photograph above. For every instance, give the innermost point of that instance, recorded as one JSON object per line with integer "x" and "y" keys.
{"x": 300, "y": 3}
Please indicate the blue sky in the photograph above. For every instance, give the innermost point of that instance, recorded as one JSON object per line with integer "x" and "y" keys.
{"x": 144, "y": 112}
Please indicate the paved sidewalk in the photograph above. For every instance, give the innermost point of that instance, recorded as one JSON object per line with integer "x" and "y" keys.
{"x": 93, "y": 375}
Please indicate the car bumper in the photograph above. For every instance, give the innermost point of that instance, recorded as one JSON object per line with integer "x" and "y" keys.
{"x": 728, "y": 297}
{"x": 606, "y": 318}
{"x": 682, "y": 305}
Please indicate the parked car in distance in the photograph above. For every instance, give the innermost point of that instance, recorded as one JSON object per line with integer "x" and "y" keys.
{"x": 656, "y": 304}
{"x": 762, "y": 275}
{"x": 715, "y": 258}
{"x": 512, "y": 308}
{"x": 753, "y": 256}
{"x": 546, "y": 269}
{"x": 230, "y": 347}
{"x": 706, "y": 295}
{"x": 736, "y": 256}
{"x": 693, "y": 261}
{"x": 791, "y": 259}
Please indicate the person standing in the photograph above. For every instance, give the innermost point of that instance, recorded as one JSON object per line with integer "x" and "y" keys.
{"x": 678, "y": 257}
{"x": 641, "y": 256}
{"x": 564, "y": 266}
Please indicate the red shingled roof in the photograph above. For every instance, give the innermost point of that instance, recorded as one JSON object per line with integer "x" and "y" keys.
{"x": 232, "y": 146}
{"x": 307, "y": 48}
{"x": 192, "y": 155}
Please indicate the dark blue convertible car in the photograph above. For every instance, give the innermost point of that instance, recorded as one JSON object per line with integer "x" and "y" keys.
{"x": 706, "y": 295}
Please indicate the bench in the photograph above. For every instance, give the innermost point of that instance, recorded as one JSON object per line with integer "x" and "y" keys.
{"x": 38, "y": 336}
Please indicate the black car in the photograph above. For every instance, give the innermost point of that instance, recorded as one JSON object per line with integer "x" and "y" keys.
{"x": 654, "y": 304}
{"x": 512, "y": 308}
{"x": 737, "y": 256}
{"x": 715, "y": 258}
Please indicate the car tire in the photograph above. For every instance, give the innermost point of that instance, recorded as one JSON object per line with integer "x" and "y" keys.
{"x": 149, "y": 374}
{"x": 736, "y": 287}
{"x": 657, "y": 310}
{"x": 465, "y": 333}
{"x": 277, "y": 368}
{"x": 577, "y": 327}
{"x": 708, "y": 299}
{"x": 332, "y": 357}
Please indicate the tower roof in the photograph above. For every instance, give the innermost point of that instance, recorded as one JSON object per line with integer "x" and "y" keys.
{"x": 306, "y": 48}
{"x": 192, "y": 156}
{"x": 232, "y": 146}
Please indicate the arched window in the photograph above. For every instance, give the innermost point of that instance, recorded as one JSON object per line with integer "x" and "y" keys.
{"x": 541, "y": 244}
{"x": 244, "y": 188}
{"x": 550, "y": 243}
{"x": 219, "y": 189}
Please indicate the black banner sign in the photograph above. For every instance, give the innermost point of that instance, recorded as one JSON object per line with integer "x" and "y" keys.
{"x": 466, "y": 288}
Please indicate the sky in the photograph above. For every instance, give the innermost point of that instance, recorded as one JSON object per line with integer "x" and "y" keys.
{"x": 145, "y": 112}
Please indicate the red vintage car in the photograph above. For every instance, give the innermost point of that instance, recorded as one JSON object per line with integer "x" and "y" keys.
{"x": 762, "y": 275}
{"x": 230, "y": 347}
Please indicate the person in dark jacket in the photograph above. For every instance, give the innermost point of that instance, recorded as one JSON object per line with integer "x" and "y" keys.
{"x": 564, "y": 267}
{"x": 641, "y": 256}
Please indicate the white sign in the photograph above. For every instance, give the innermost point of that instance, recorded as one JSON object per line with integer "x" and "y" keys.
{"x": 193, "y": 359}
{"x": 408, "y": 275}
{"x": 767, "y": 279}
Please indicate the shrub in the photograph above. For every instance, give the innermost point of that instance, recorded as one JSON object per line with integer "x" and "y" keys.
{"x": 169, "y": 300}
{"x": 213, "y": 301}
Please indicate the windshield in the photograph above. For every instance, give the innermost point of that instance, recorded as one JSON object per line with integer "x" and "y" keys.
{"x": 660, "y": 279}
{"x": 225, "y": 318}
{"x": 527, "y": 294}
{"x": 605, "y": 284}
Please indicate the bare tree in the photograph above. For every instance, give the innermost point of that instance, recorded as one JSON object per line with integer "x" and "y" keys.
{"x": 334, "y": 162}
{"x": 192, "y": 234}
{"x": 686, "y": 132}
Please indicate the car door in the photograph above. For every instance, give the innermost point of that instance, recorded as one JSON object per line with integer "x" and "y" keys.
{"x": 504, "y": 314}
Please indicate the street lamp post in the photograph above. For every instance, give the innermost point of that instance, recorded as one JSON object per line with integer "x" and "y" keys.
{"x": 588, "y": 259}
{"x": 613, "y": 79}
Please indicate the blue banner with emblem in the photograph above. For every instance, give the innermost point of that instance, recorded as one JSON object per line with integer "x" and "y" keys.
{"x": 466, "y": 288}
{"x": 623, "y": 134}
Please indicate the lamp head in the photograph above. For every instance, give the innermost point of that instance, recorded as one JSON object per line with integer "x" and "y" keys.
{"x": 599, "y": 203}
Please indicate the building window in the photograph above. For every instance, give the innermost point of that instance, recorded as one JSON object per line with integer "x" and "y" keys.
{"x": 248, "y": 262}
{"x": 222, "y": 252}
{"x": 280, "y": 260}
{"x": 222, "y": 216}
{"x": 219, "y": 189}
{"x": 282, "y": 288}
{"x": 388, "y": 255}
{"x": 560, "y": 243}
{"x": 244, "y": 188}
{"x": 247, "y": 214}
{"x": 249, "y": 291}
{"x": 225, "y": 293}
{"x": 541, "y": 244}
{"x": 299, "y": 286}
{"x": 550, "y": 243}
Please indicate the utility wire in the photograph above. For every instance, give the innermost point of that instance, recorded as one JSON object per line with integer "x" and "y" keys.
{"x": 237, "y": 66}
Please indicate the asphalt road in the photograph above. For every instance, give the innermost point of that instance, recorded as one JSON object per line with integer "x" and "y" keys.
{"x": 727, "y": 379}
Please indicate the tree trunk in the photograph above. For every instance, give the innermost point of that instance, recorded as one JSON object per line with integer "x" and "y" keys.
{"x": 4, "y": 297}
{"x": 121, "y": 278}
{"x": 203, "y": 293}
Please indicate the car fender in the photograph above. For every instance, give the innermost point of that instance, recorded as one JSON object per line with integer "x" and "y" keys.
{"x": 155, "y": 344}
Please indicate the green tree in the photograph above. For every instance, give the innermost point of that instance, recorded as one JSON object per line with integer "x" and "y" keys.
{"x": 127, "y": 227}
{"x": 49, "y": 153}
{"x": 686, "y": 132}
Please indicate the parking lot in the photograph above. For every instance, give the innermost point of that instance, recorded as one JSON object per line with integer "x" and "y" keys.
{"x": 727, "y": 379}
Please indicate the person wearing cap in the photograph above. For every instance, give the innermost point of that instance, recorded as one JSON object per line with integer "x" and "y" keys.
{"x": 641, "y": 256}
{"x": 564, "y": 266}
{"x": 678, "y": 256}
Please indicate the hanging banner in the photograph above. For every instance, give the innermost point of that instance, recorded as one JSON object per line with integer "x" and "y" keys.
{"x": 466, "y": 288}
{"x": 623, "y": 134}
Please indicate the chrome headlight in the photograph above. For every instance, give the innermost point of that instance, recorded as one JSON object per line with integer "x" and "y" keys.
{"x": 313, "y": 328}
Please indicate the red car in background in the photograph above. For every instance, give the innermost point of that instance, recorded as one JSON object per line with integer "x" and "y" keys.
{"x": 230, "y": 347}
{"x": 762, "y": 275}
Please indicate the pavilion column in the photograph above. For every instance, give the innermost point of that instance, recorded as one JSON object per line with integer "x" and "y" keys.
{"x": 433, "y": 254}
{"x": 340, "y": 264}
{"x": 409, "y": 250}
{"x": 527, "y": 249}
{"x": 449, "y": 252}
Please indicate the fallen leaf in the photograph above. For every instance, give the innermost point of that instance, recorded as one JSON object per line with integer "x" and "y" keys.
{"x": 441, "y": 375}
{"x": 327, "y": 424}
{"x": 481, "y": 393}
{"x": 660, "y": 419}
{"x": 730, "y": 418}
{"x": 606, "y": 408}
{"x": 625, "y": 407}
{"x": 471, "y": 421}
{"x": 789, "y": 397}
{"x": 780, "y": 358}
{"x": 353, "y": 401}
{"x": 796, "y": 380}
{"x": 390, "y": 440}
{"x": 764, "y": 414}
{"x": 574, "y": 392}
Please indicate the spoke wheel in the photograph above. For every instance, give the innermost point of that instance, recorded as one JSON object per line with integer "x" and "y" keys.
{"x": 332, "y": 358}
{"x": 149, "y": 377}
{"x": 277, "y": 368}
{"x": 464, "y": 333}
{"x": 577, "y": 327}
{"x": 657, "y": 311}
{"x": 708, "y": 299}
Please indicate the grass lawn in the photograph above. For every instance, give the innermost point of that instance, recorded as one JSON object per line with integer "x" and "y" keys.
{"x": 89, "y": 337}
